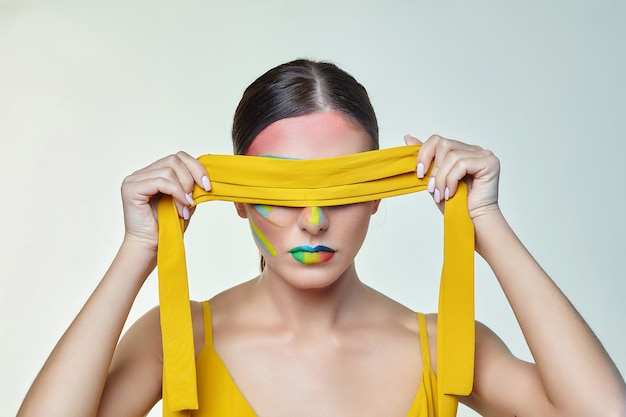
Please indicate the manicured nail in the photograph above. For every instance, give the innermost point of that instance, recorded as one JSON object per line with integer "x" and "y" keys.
{"x": 189, "y": 199}
{"x": 186, "y": 213}
{"x": 420, "y": 170}
{"x": 431, "y": 185}
{"x": 446, "y": 194}
{"x": 206, "y": 184}
{"x": 437, "y": 196}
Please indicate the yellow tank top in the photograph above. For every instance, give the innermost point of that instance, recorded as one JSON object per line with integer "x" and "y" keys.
{"x": 219, "y": 396}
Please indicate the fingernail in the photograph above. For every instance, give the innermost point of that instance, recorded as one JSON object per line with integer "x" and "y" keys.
{"x": 420, "y": 170}
{"x": 189, "y": 199}
{"x": 446, "y": 194}
{"x": 431, "y": 185}
{"x": 206, "y": 184}
{"x": 186, "y": 213}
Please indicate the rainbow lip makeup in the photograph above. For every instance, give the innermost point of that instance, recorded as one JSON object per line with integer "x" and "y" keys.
{"x": 310, "y": 255}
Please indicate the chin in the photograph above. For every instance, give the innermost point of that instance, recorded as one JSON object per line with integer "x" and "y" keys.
{"x": 312, "y": 277}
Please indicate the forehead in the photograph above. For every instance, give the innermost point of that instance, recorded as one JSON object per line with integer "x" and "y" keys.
{"x": 311, "y": 136}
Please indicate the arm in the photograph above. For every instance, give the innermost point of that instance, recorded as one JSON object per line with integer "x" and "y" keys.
{"x": 82, "y": 366}
{"x": 73, "y": 378}
{"x": 572, "y": 374}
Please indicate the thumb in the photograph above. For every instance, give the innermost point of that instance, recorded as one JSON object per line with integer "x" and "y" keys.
{"x": 410, "y": 140}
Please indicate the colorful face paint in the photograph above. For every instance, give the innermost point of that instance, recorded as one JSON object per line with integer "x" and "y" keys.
{"x": 316, "y": 216}
{"x": 309, "y": 255}
{"x": 264, "y": 210}
{"x": 263, "y": 242}
{"x": 280, "y": 157}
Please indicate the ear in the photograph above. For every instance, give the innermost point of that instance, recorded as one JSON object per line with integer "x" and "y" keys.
{"x": 241, "y": 210}
{"x": 375, "y": 206}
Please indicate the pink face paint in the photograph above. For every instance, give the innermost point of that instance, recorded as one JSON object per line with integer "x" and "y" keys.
{"x": 309, "y": 255}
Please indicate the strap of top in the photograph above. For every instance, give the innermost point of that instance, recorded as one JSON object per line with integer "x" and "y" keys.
{"x": 421, "y": 319}
{"x": 340, "y": 180}
{"x": 208, "y": 324}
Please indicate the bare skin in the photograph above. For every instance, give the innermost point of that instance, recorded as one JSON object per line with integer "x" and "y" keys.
{"x": 320, "y": 332}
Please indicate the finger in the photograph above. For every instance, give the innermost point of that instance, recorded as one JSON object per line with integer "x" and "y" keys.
{"x": 143, "y": 186}
{"x": 187, "y": 219}
{"x": 412, "y": 140}
{"x": 419, "y": 167}
{"x": 432, "y": 153}
{"x": 197, "y": 170}
{"x": 485, "y": 169}
{"x": 181, "y": 170}
{"x": 452, "y": 170}
{"x": 425, "y": 158}
{"x": 188, "y": 170}
{"x": 440, "y": 151}
{"x": 464, "y": 164}
{"x": 165, "y": 174}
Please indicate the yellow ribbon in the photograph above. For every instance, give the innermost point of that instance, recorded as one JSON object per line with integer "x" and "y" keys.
{"x": 340, "y": 180}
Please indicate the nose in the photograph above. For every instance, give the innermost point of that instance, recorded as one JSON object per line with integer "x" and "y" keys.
{"x": 313, "y": 219}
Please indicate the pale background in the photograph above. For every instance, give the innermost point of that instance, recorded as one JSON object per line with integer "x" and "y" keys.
{"x": 91, "y": 91}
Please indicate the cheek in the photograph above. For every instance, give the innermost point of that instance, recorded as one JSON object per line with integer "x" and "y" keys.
{"x": 264, "y": 210}
{"x": 262, "y": 239}
{"x": 355, "y": 219}
{"x": 265, "y": 223}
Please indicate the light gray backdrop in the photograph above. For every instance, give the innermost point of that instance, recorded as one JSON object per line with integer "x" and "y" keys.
{"x": 90, "y": 91}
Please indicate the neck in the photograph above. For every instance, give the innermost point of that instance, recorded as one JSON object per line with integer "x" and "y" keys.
{"x": 312, "y": 309}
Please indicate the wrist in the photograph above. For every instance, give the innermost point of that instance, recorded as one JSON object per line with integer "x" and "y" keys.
{"x": 489, "y": 228}
{"x": 142, "y": 246}
{"x": 142, "y": 254}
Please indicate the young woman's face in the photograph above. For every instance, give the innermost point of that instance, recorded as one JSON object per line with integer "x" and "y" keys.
{"x": 311, "y": 246}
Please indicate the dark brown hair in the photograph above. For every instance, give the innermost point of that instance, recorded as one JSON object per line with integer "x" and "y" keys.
{"x": 297, "y": 88}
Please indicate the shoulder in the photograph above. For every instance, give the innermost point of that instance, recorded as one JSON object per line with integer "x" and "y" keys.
{"x": 144, "y": 336}
{"x": 498, "y": 374}
{"x": 489, "y": 347}
{"x": 232, "y": 302}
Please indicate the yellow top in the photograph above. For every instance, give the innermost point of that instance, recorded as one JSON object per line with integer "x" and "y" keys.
{"x": 345, "y": 179}
{"x": 220, "y": 396}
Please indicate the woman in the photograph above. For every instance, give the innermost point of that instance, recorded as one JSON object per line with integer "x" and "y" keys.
{"x": 307, "y": 337}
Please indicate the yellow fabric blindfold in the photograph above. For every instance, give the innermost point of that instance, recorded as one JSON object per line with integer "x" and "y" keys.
{"x": 339, "y": 180}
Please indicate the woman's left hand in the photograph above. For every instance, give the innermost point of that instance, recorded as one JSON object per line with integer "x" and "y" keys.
{"x": 453, "y": 161}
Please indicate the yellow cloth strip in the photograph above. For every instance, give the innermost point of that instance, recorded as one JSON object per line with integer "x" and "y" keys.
{"x": 340, "y": 180}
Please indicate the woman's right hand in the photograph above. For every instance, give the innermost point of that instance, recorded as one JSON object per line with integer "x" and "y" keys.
{"x": 173, "y": 175}
{"x": 87, "y": 374}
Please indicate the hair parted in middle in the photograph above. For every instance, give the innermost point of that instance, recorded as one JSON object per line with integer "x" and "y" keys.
{"x": 297, "y": 88}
